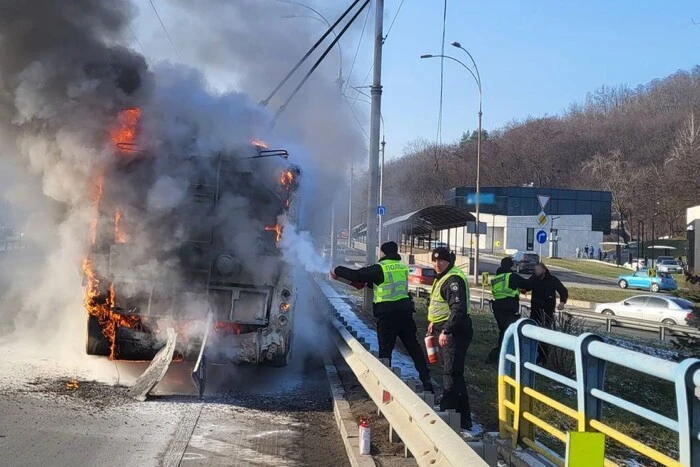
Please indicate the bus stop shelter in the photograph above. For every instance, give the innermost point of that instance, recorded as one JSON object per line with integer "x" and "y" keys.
{"x": 421, "y": 228}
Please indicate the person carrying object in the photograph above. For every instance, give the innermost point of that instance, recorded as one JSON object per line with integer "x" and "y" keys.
{"x": 393, "y": 307}
{"x": 448, "y": 315}
{"x": 505, "y": 287}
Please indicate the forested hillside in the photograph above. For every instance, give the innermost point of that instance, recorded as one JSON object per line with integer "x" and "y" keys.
{"x": 643, "y": 144}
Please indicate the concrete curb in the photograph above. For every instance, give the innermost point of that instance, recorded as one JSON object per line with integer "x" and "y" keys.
{"x": 345, "y": 420}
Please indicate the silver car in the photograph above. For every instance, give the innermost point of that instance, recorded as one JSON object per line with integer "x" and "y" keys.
{"x": 657, "y": 308}
{"x": 671, "y": 266}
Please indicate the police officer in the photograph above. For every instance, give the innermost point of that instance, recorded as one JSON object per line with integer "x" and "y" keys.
{"x": 448, "y": 315}
{"x": 393, "y": 307}
{"x": 505, "y": 287}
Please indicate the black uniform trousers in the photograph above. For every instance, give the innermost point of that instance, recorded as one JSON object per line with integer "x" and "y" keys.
{"x": 506, "y": 313}
{"x": 454, "y": 386}
{"x": 543, "y": 315}
{"x": 401, "y": 324}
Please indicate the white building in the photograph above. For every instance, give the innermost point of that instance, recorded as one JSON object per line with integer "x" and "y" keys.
{"x": 516, "y": 216}
{"x": 519, "y": 233}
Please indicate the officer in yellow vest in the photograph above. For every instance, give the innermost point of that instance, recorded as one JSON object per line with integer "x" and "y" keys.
{"x": 448, "y": 315}
{"x": 505, "y": 287}
{"x": 393, "y": 307}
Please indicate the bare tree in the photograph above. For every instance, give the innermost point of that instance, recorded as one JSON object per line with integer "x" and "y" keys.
{"x": 615, "y": 174}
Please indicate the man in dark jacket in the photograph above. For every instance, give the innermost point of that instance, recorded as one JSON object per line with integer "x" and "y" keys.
{"x": 544, "y": 288}
{"x": 392, "y": 306}
{"x": 505, "y": 287}
{"x": 448, "y": 315}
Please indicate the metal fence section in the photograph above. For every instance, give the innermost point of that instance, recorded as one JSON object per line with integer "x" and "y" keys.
{"x": 517, "y": 395}
{"x": 425, "y": 433}
{"x": 663, "y": 331}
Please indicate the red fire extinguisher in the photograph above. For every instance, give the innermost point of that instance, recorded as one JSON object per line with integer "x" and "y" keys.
{"x": 365, "y": 437}
{"x": 357, "y": 285}
{"x": 431, "y": 345}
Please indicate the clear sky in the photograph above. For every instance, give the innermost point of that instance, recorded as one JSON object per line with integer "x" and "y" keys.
{"x": 535, "y": 56}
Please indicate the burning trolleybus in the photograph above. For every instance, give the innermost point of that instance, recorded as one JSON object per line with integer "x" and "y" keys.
{"x": 206, "y": 263}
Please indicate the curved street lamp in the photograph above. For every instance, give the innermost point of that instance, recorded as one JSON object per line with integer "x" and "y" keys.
{"x": 319, "y": 17}
{"x": 477, "y": 79}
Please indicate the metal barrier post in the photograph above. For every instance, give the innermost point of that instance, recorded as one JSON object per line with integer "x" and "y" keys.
{"x": 506, "y": 418}
{"x": 590, "y": 374}
{"x": 525, "y": 352}
{"x": 688, "y": 411}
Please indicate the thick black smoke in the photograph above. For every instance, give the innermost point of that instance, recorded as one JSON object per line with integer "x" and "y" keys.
{"x": 65, "y": 76}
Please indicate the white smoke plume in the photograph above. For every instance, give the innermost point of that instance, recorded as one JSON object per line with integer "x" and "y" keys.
{"x": 64, "y": 77}
{"x": 298, "y": 248}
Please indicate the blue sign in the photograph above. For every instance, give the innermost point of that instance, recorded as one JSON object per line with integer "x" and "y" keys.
{"x": 381, "y": 210}
{"x": 541, "y": 237}
{"x": 484, "y": 198}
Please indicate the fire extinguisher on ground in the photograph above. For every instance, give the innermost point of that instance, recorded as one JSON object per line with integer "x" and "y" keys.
{"x": 365, "y": 437}
{"x": 431, "y": 345}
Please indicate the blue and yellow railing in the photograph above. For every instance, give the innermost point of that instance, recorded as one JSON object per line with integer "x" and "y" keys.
{"x": 517, "y": 395}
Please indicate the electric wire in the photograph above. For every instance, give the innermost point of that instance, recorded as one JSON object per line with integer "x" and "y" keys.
{"x": 318, "y": 62}
{"x": 386, "y": 36}
{"x": 133, "y": 34}
{"x": 357, "y": 50}
{"x": 266, "y": 101}
{"x": 392, "y": 22}
{"x": 438, "y": 136}
{"x": 167, "y": 34}
{"x": 357, "y": 119}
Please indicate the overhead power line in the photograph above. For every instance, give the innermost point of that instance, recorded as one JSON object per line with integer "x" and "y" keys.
{"x": 438, "y": 136}
{"x": 165, "y": 30}
{"x": 357, "y": 51}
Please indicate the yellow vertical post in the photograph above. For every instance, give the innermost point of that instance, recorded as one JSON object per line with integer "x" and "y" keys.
{"x": 585, "y": 449}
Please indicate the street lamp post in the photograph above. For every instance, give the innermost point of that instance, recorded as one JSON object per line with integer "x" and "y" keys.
{"x": 339, "y": 82}
{"x": 640, "y": 239}
{"x": 477, "y": 78}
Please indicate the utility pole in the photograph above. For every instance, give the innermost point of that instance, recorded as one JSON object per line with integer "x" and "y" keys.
{"x": 334, "y": 234}
{"x": 372, "y": 199}
{"x": 381, "y": 191}
{"x": 350, "y": 208}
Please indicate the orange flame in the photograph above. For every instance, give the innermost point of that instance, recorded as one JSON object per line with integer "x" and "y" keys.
{"x": 260, "y": 144}
{"x": 98, "y": 188}
{"x": 98, "y": 303}
{"x": 227, "y": 327}
{"x": 120, "y": 235}
{"x": 275, "y": 228}
{"x": 72, "y": 384}
{"x": 124, "y": 136}
{"x": 287, "y": 178}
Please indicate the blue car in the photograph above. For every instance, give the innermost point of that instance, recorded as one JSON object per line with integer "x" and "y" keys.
{"x": 642, "y": 280}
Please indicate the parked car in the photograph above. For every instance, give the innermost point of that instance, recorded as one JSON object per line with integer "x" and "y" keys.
{"x": 663, "y": 258}
{"x": 525, "y": 261}
{"x": 420, "y": 280}
{"x": 657, "y": 308}
{"x": 642, "y": 280}
{"x": 671, "y": 266}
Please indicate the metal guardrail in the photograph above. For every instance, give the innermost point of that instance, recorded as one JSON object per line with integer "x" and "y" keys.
{"x": 516, "y": 392}
{"x": 610, "y": 321}
{"x": 425, "y": 433}
{"x": 633, "y": 323}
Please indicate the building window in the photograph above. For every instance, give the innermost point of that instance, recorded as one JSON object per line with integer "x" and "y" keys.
{"x": 530, "y": 239}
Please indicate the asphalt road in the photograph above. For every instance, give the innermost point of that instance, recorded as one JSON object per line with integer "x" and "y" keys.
{"x": 490, "y": 264}
{"x": 250, "y": 416}
{"x": 569, "y": 278}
